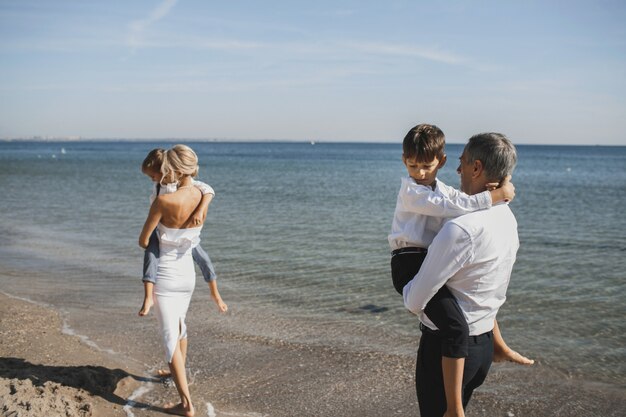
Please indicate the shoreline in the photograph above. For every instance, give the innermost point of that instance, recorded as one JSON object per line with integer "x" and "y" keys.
{"x": 44, "y": 371}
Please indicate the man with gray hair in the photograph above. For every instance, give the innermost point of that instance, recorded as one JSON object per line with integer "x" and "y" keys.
{"x": 473, "y": 256}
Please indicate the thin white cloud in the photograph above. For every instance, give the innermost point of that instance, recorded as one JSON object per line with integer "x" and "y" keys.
{"x": 198, "y": 42}
{"x": 431, "y": 54}
{"x": 138, "y": 27}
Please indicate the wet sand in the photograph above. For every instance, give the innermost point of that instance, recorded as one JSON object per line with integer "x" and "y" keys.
{"x": 44, "y": 372}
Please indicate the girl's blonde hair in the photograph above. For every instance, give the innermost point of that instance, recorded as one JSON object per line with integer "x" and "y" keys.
{"x": 178, "y": 162}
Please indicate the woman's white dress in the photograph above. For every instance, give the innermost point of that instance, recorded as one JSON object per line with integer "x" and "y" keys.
{"x": 175, "y": 282}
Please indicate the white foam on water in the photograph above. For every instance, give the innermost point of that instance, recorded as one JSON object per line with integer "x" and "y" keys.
{"x": 210, "y": 411}
{"x": 67, "y": 329}
{"x": 28, "y": 300}
{"x": 130, "y": 402}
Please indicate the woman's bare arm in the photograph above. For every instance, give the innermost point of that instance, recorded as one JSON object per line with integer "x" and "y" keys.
{"x": 154, "y": 216}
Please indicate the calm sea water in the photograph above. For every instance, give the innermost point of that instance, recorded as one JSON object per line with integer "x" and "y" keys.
{"x": 299, "y": 230}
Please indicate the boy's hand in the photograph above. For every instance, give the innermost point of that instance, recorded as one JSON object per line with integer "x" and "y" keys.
{"x": 492, "y": 186}
{"x": 508, "y": 188}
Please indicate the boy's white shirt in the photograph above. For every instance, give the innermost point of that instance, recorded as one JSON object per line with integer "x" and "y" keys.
{"x": 170, "y": 188}
{"x": 421, "y": 211}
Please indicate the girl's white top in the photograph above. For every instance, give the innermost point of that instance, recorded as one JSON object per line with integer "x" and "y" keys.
{"x": 170, "y": 188}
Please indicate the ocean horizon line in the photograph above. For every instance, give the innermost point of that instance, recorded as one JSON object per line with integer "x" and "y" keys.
{"x": 70, "y": 139}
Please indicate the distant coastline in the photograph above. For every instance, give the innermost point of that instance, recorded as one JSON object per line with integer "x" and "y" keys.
{"x": 78, "y": 139}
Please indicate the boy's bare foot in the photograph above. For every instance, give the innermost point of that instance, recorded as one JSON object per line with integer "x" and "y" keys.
{"x": 179, "y": 409}
{"x": 510, "y": 355}
{"x": 222, "y": 307}
{"x": 145, "y": 308}
{"x": 164, "y": 373}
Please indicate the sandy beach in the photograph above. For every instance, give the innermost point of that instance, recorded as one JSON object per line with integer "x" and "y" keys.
{"x": 46, "y": 372}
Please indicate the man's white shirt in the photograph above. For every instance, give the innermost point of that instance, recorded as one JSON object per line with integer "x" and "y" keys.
{"x": 473, "y": 255}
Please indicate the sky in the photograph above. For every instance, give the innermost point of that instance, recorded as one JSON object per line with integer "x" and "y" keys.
{"x": 541, "y": 72}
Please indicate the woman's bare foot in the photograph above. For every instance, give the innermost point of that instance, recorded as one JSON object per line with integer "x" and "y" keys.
{"x": 164, "y": 373}
{"x": 179, "y": 409}
{"x": 145, "y": 308}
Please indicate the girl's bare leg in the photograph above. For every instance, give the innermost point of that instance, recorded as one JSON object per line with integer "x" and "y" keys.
{"x": 177, "y": 369}
{"x": 148, "y": 300}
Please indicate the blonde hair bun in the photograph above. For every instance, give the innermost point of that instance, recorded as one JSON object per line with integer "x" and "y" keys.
{"x": 178, "y": 161}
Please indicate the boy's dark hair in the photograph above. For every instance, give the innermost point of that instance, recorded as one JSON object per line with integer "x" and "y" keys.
{"x": 153, "y": 161}
{"x": 424, "y": 143}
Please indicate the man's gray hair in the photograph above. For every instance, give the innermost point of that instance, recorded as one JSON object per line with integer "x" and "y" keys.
{"x": 495, "y": 151}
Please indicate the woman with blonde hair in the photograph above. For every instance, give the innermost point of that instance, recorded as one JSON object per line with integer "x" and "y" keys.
{"x": 171, "y": 215}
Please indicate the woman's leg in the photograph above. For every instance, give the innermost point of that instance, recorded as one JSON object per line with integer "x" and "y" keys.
{"x": 177, "y": 368}
{"x": 166, "y": 373}
{"x": 183, "y": 350}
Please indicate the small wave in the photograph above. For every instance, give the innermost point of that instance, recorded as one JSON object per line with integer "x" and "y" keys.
{"x": 130, "y": 403}
{"x": 211, "y": 412}
{"x": 67, "y": 330}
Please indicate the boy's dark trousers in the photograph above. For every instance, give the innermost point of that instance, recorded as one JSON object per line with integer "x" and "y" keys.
{"x": 151, "y": 260}
{"x": 443, "y": 309}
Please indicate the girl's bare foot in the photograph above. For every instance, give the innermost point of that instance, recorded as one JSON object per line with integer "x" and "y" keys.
{"x": 221, "y": 306}
{"x": 164, "y": 373}
{"x": 145, "y": 308}
{"x": 179, "y": 409}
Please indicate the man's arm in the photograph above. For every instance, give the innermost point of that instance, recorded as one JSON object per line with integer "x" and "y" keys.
{"x": 450, "y": 251}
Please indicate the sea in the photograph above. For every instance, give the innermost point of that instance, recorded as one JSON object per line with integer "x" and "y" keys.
{"x": 297, "y": 232}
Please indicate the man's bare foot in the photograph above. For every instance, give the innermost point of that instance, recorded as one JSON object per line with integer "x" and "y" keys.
{"x": 145, "y": 308}
{"x": 164, "y": 373}
{"x": 179, "y": 409}
{"x": 510, "y": 355}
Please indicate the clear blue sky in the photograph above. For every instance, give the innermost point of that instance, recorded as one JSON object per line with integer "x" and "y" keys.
{"x": 538, "y": 71}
